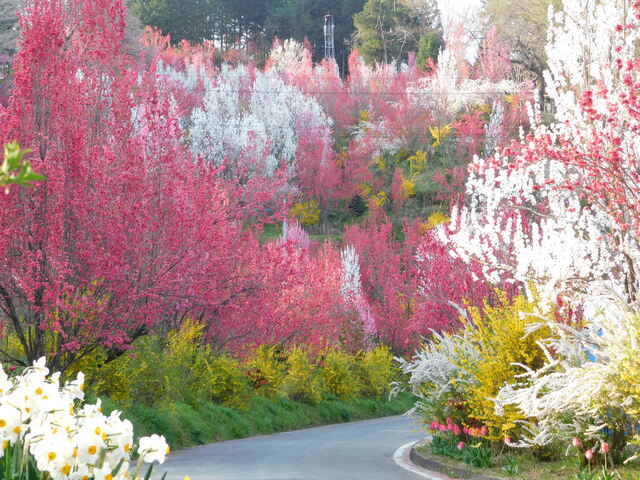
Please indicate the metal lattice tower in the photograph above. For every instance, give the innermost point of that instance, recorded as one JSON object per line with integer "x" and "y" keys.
{"x": 329, "y": 50}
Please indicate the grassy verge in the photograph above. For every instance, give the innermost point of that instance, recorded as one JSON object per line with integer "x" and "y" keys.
{"x": 185, "y": 426}
{"x": 527, "y": 467}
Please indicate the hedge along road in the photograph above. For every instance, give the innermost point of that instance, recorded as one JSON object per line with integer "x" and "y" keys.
{"x": 347, "y": 451}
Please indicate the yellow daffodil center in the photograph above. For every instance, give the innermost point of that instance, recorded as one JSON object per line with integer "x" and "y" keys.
{"x": 66, "y": 469}
{"x": 92, "y": 450}
{"x": 51, "y": 456}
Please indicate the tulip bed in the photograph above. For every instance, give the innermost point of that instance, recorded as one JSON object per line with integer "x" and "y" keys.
{"x": 525, "y": 466}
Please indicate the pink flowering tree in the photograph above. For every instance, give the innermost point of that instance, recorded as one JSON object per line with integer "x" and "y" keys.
{"x": 127, "y": 232}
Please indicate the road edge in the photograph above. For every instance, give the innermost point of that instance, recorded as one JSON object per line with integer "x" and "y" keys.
{"x": 402, "y": 458}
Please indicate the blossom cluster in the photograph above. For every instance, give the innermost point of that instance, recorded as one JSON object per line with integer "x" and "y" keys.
{"x": 68, "y": 440}
{"x": 450, "y": 426}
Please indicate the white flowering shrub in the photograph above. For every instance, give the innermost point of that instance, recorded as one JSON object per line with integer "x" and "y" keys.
{"x": 47, "y": 433}
{"x": 436, "y": 377}
{"x": 588, "y": 386}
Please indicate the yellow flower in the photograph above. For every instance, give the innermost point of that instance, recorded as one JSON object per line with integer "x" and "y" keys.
{"x": 417, "y": 162}
{"x": 439, "y": 134}
{"x": 435, "y": 219}
{"x": 306, "y": 212}
{"x": 409, "y": 187}
{"x": 364, "y": 116}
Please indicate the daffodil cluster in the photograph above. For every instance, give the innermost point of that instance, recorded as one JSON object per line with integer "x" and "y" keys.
{"x": 47, "y": 426}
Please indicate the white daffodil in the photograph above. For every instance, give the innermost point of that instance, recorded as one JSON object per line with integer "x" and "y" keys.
{"x": 153, "y": 449}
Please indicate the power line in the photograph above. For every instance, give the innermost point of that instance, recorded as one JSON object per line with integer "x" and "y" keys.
{"x": 361, "y": 93}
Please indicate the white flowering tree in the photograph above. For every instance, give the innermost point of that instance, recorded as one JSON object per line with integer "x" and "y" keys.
{"x": 243, "y": 117}
{"x": 532, "y": 213}
{"x": 559, "y": 212}
{"x": 352, "y": 293}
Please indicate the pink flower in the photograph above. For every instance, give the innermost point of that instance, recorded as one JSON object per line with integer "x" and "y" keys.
{"x": 604, "y": 446}
{"x": 465, "y": 429}
{"x": 456, "y": 430}
{"x": 588, "y": 454}
{"x": 449, "y": 421}
{"x": 507, "y": 440}
{"x": 575, "y": 442}
{"x": 460, "y": 445}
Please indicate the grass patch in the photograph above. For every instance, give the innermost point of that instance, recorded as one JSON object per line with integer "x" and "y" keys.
{"x": 530, "y": 468}
{"x": 185, "y": 426}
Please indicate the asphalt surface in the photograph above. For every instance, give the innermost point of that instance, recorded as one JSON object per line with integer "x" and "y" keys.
{"x": 349, "y": 451}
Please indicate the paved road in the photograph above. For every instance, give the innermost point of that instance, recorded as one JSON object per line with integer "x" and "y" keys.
{"x": 348, "y": 451}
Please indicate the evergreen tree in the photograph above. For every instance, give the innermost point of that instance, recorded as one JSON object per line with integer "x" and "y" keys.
{"x": 386, "y": 30}
{"x": 429, "y": 47}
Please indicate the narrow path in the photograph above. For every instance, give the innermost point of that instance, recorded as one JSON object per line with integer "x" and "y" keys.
{"x": 349, "y": 451}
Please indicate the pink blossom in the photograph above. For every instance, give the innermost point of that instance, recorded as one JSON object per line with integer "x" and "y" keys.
{"x": 507, "y": 440}
{"x": 604, "y": 446}
{"x": 461, "y": 445}
{"x": 575, "y": 442}
{"x": 588, "y": 454}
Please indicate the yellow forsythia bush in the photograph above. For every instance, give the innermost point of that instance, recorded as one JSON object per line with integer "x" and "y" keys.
{"x": 376, "y": 369}
{"x": 228, "y": 384}
{"x": 179, "y": 368}
{"x": 435, "y": 219}
{"x": 266, "y": 370}
{"x": 301, "y": 382}
{"x": 307, "y": 213}
{"x": 338, "y": 375}
{"x": 499, "y": 340}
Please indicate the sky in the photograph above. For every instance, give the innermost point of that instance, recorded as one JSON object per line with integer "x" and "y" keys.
{"x": 465, "y": 11}
{"x": 453, "y": 10}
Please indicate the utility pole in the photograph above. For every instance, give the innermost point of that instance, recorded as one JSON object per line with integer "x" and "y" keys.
{"x": 329, "y": 50}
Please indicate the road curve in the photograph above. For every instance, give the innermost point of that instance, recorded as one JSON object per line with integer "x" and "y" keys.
{"x": 347, "y": 451}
